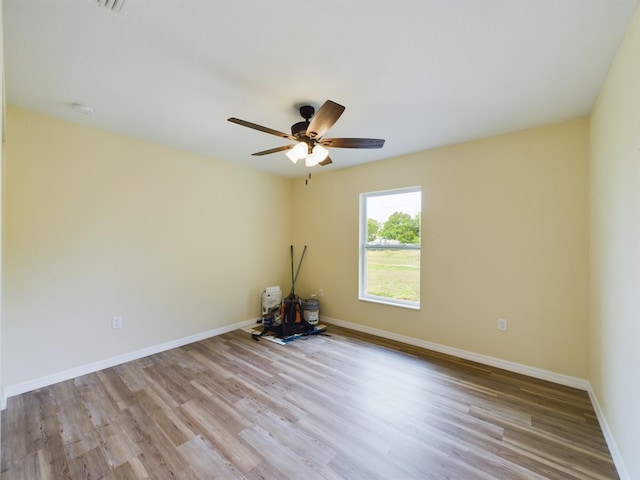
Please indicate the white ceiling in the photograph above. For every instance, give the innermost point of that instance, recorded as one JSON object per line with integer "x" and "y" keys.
{"x": 418, "y": 73}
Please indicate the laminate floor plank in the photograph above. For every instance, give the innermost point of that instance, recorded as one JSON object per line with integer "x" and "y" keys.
{"x": 204, "y": 459}
{"x": 347, "y": 405}
{"x": 214, "y": 428}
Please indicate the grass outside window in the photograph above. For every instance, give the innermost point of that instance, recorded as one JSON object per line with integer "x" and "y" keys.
{"x": 394, "y": 274}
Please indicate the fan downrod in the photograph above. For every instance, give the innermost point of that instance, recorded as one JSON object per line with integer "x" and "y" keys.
{"x": 300, "y": 128}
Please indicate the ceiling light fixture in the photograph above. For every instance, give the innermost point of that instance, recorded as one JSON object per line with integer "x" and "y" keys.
{"x": 311, "y": 158}
{"x": 318, "y": 154}
{"x": 308, "y": 135}
{"x": 298, "y": 152}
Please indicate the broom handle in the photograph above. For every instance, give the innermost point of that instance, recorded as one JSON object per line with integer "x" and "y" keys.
{"x": 293, "y": 278}
{"x": 299, "y": 265}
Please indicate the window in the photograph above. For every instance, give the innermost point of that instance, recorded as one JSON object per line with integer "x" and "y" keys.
{"x": 390, "y": 247}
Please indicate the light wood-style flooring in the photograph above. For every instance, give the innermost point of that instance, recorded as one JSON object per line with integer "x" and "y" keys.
{"x": 344, "y": 406}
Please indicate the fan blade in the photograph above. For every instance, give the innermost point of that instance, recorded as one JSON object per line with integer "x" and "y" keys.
{"x": 326, "y": 161}
{"x": 274, "y": 150}
{"x": 255, "y": 126}
{"x": 324, "y": 119}
{"x": 352, "y": 142}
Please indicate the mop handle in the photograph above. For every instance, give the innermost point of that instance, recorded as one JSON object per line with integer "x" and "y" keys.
{"x": 299, "y": 265}
{"x": 293, "y": 279}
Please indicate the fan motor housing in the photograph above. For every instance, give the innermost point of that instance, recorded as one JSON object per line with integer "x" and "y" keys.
{"x": 299, "y": 129}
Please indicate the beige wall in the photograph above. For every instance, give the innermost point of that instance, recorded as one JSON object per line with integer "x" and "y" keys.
{"x": 615, "y": 249}
{"x": 505, "y": 234}
{"x": 98, "y": 225}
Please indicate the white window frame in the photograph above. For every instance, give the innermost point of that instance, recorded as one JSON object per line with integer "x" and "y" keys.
{"x": 364, "y": 246}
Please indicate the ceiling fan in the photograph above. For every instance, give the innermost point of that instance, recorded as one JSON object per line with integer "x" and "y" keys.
{"x": 308, "y": 135}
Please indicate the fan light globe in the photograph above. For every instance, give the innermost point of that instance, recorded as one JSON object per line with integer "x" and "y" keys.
{"x": 292, "y": 155}
{"x": 318, "y": 154}
{"x": 298, "y": 152}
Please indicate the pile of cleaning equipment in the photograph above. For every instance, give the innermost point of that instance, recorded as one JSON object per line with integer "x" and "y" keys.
{"x": 292, "y": 316}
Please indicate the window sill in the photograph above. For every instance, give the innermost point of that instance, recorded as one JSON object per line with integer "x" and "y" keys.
{"x": 390, "y": 303}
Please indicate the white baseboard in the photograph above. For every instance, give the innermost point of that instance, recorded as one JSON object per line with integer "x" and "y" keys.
{"x": 554, "y": 377}
{"x": 12, "y": 390}
{"x": 618, "y": 461}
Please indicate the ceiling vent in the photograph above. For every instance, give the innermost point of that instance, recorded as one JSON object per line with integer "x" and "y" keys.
{"x": 115, "y": 6}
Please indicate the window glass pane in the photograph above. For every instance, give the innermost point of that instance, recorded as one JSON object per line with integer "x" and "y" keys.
{"x": 393, "y": 274}
{"x": 390, "y": 248}
{"x": 394, "y": 218}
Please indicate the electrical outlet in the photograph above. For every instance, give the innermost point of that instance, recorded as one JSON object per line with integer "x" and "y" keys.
{"x": 502, "y": 324}
{"x": 116, "y": 322}
{"x": 320, "y": 292}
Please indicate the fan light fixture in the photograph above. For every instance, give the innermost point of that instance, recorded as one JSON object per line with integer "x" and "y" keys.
{"x": 311, "y": 159}
{"x": 318, "y": 154}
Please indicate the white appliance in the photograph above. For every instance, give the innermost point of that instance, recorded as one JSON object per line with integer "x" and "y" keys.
{"x": 271, "y": 300}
